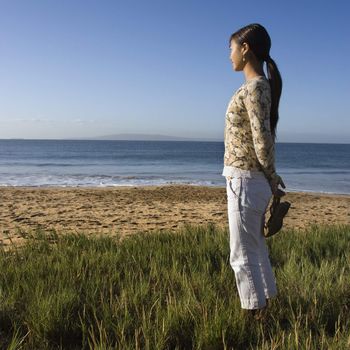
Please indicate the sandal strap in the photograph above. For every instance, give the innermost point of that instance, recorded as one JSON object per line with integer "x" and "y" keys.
{"x": 275, "y": 202}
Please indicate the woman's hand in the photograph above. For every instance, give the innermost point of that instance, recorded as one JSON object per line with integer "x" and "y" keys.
{"x": 274, "y": 182}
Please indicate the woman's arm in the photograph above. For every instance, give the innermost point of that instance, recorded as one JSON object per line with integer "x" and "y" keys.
{"x": 258, "y": 103}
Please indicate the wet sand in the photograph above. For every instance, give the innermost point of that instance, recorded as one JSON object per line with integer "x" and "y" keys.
{"x": 126, "y": 210}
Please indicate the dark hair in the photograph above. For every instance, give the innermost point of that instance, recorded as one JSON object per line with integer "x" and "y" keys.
{"x": 258, "y": 39}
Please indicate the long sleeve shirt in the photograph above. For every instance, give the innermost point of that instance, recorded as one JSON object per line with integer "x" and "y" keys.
{"x": 248, "y": 141}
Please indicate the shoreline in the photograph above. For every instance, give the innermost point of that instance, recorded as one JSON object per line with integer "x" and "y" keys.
{"x": 55, "y": 187}
{"x": 130, "y": 209}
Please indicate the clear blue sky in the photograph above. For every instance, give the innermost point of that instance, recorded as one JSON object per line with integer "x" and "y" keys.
{"x": 87, "y": 68}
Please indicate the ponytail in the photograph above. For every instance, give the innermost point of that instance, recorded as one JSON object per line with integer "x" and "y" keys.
{"x": 275, "y": 81}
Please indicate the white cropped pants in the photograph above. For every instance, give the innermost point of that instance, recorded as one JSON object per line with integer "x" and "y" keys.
{"x": 248, "y": 196}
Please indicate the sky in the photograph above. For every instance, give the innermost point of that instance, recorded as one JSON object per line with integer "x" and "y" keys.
{"x": 83, "y": 68}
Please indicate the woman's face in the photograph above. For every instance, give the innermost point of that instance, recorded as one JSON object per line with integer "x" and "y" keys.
{"x": 236, "y": 56}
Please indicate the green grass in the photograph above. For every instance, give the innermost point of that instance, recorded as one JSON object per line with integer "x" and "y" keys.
{"x": 171, "y": 291}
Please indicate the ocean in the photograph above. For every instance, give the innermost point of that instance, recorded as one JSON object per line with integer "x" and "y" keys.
{"x": 304, "y": 167}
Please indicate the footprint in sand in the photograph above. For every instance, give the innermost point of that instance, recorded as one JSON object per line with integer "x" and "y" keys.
{"x": 37, "y": 214}
{"x": 95, "y": 222}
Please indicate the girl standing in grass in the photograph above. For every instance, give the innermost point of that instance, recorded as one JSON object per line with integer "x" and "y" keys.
{"x": 249, "y": 163}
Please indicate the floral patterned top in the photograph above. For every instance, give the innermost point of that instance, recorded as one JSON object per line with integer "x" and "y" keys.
{"x": 248, "y": 141}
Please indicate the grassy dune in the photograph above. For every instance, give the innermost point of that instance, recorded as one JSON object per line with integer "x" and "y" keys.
{"x": 171, "y": 291}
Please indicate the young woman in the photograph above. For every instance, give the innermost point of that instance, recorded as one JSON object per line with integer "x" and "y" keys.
{"x": 249, "y": 163}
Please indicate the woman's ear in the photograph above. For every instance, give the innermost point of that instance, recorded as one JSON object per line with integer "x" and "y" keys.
{"x": 245, "y": 48}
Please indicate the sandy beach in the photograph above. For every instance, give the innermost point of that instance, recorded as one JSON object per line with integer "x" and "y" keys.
{"x": 127, "y": 210}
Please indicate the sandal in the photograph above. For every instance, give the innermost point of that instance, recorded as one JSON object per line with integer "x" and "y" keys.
{"x": 278, "y": 211}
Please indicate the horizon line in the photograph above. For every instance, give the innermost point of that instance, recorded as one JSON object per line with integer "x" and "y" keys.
{"x": 148, "y": 140}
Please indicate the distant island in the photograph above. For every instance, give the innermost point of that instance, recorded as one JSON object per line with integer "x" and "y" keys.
{"x": 143, "y": 137}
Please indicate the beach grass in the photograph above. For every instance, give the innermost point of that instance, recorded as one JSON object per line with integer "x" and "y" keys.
{"x": 166, "y": 290}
